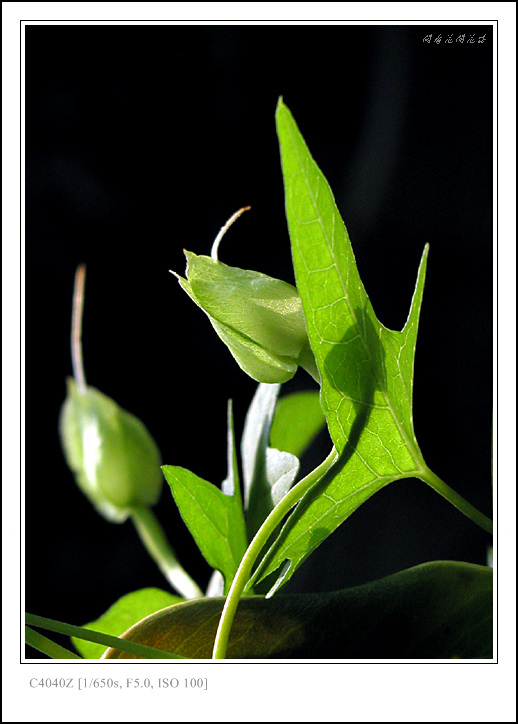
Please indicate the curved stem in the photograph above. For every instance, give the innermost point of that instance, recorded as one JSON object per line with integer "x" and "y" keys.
{"x": 223, "y": 230}
{"x": 457, "y": 500}
{"x": 153, "y": 537}
{"x": 75, "y": 336}
{"x": 259, "y": 541}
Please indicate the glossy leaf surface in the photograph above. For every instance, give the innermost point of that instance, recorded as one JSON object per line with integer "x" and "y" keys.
{"x": 410, "y": 615}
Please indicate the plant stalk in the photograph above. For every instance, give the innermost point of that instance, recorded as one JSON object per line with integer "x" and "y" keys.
{"x": 259, "y": 541}
{"x": 457, "y": 500}
{"x": 46, "y": 646}
{"x": 153, "y": 537}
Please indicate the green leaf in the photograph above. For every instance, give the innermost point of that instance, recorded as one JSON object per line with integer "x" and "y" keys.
{"x": 297, "y": 420}
{"x": 124, "y": 613}
{"x": 214, "y": 517}
{"x": 259, "y": 318}
{"x": 438, "y": 610}
{"x": 267, "y": 473}
{"x": 366, "y": 369}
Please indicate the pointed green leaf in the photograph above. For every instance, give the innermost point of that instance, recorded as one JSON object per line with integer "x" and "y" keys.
{"x": 124, "y": 613}
{"x": 409, "y": 615}
{"x": 298, "y": 419}
{"x": 214, "y": 517}
{"x": 365, "y": 368}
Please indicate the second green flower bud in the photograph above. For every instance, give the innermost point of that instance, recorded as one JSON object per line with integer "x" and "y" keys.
{"x": 115, "y": 460}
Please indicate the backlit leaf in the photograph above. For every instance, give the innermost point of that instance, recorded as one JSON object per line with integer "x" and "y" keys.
{"x": 366, "y": 369}
{"x": 298, "y": 419}
{"x": 125, "y": 612}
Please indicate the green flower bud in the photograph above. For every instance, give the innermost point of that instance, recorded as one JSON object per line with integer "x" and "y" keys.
{"x": 259, "y": 318}
{"x": 115, "y": 460}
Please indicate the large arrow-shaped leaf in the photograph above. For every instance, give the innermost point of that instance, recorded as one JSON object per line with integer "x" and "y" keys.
{"x": 366, "y": 369}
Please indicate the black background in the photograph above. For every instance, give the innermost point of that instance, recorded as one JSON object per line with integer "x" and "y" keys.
{"x": 142, "y": 141}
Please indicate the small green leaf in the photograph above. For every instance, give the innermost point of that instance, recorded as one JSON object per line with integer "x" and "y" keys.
{"x": 409, "y": 615}
{"x": 259, "y": 318}
{"x": 268, "y": 474}
{"x": 214, "y": 517}
{"x": 115, "y": 460}
{"x": 124, "y": 613}
{"x": 298, "y": 419}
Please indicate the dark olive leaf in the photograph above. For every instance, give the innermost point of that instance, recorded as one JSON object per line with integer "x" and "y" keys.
{"x": 438, "y": 610}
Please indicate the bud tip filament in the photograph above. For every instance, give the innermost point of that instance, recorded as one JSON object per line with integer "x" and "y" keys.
{"x": 222, "y": 231}
{"x": 75, "y": 336}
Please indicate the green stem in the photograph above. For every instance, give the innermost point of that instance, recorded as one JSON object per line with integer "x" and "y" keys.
{"x": 457, "y": 500}
{"x": 153, "y": 537}
{"x": 46, "y": 646}
{"x": 130, "y": 647}
{"x": 260, "y": 539}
